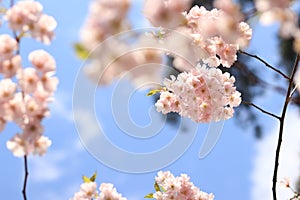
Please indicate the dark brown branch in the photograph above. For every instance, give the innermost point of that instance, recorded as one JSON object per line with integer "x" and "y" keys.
{"x": 262, "y": 110}
{"x": 25, "y": 178}
{"x": 267, "y": 64}
{"x": 282, "y": 119}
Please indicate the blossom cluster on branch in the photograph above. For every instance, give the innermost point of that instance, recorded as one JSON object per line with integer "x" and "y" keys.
{"x": 203, "y": 94}
{"x": 167, "y": 187}
{"x": 282, "y": 12}
{"x": 217, "y": 34}
{"x": 88, "y": 190}
{"x": 25, "y": 91}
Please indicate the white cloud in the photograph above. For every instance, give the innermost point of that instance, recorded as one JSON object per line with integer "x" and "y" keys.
{"x": 61, "y": 106}
{"x": 289, "y": 162}
{"x": 47, "y": 168}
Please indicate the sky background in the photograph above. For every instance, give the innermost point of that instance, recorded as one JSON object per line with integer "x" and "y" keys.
{"x": 239, "y": 166}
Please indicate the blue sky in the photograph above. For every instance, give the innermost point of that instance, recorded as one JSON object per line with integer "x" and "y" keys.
{"x": 227, "y": 171}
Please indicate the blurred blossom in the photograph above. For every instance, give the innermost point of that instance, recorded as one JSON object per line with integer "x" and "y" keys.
{"x": 166, "y": 13}
{"x": 105, "y": 18}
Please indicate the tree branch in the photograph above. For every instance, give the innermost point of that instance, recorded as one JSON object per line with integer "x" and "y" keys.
{"x": 267, "y": 64}
{"x": 262, "y": 110}
{"x": 282, "y": 119}
{"x": 25, "y": 178}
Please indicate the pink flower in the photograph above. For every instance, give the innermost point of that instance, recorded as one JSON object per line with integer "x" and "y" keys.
{"x": 8, "y": 46}
{"x": 42, "y": 61}
{"x": 87, "y": 191}
{"x": 43, "y": 30}
{"x": 41, "y": 145}
{"x": 33, "y": 108}
{"x": 219, "y": 32}
{"x": 285, "y": 182}
{"x": 49, "y": 83}
{"x": 203, "y": 94}
{"x": 10, "y": 66}
{"x": 106, "y": 18}
{"x": 179, "y": 187}
{"x": 7, "y": 90}
{"x": 166, "y": 13}
{"x": 107, "y": 191}
{"x": 28, "y": 79}
{"x": 14, "y": 109}
{"x": 18, "y": 145}
{"x": 279, "y": 11}
{"x": 23, "y": 15}
{"x": 32, "y": 129}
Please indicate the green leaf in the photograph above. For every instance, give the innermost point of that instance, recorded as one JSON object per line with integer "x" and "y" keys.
{"x": 81, "y": 51}
{"x": 156, "y": 187}
{"x": 152, "y": 92}
{"x": 93, "y": 178}
{"x": 149, "y": 196}
{"x": 86, "y": 179}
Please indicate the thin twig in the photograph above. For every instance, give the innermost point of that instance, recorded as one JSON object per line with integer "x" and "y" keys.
{"x": 250, "y": 13}
{"x": 267, "y": 64}
{"x": 282, "y": 119}
{"x": 25, "y": 178}
{"x": 262, "y": 110}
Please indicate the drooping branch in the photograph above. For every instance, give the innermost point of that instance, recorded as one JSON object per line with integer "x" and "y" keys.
{"x": 262, "y": 110}
{"x": 282, "y": 120}
{"x": 25, "y": 178}
{"x": 266, "y": 64}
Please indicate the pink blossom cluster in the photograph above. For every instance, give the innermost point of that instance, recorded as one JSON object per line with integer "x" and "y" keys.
{"x": 27, "y": 17}
{"x": 113, "y": 56}
{"x": 219, "y": 33}
{"x": 106, "y": 18}
{"x": 25, "y": 102}
{"x": 89, "y": 191}
{"x": 26, "y": 91}
{"x": 166, "y": 13}
{"x": 110, "y": 63}
{"x": 216, "y": 34}
{"x": 178, "y": 188}
{"x": 204, "y": 94}
{"x": 281, "y": 11}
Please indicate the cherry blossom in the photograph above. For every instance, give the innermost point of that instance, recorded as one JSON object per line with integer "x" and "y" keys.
{"x": 108, "y": 63}
{"x": 166, "y": 13}
{"x": 88, "y": 191}
{"x": 107, "y": 191}
{"x": 23, "y": 15}
{"x": 43, "y": 29}
{"x": 27, "y": 104}
{"x": 42, "y": 61}
{"x": 28, "y": 79}
{"x": 10, "y": 66}
{"x": 8, "y": 46}
{"x": 220, "y": 33}
{"x": 105, "y": 18}
{"x": 28, "y": 17}
{"x": 180, "y": 187}
{"x": 203, "y": 94}
{"x": 280, "y": 11}
{"x": 7, "y": 90}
